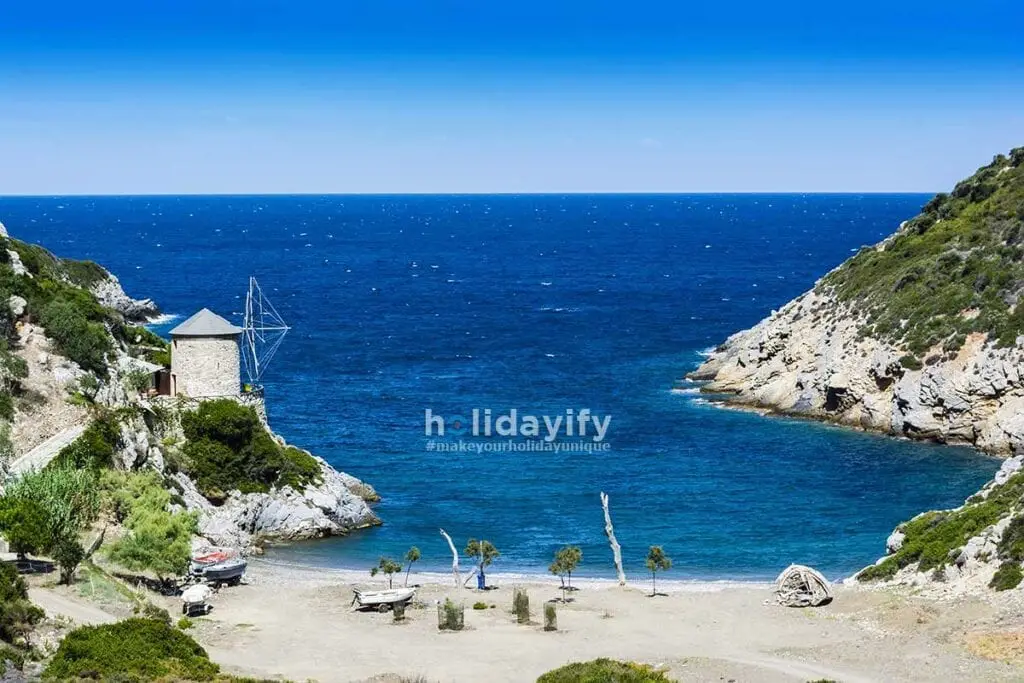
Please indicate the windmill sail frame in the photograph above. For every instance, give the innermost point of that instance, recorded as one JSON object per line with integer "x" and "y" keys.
{"x": 262, "y": 333}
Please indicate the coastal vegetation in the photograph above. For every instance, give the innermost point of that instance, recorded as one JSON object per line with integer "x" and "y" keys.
{"x": 157, "y": 539}
{"x": 388, "y": 568}
{"x": 931, "y": 538}
{"x": 483, "y": 552}
{"x": 48, "y": 510}
{"x": 228, "y": 448}
{"x": 18, "y": 616}
{"x": 521, "y": 605}
{"x": 657, "y": 561}
{"x": 603, "y": 670}
{"x": 133, "y": 649}
{"x": 954, "y": 269}
{"x": 565, "y": 563}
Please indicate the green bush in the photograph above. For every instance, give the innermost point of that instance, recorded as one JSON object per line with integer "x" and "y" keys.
{"x": 18, "y": 616}
{"x": 605, "y": 671}
{"x": 86, "y": 343}
{"x": 1008, "y": 576}
{"x": 451, "y": 616}
{"x": 184, "y": 623}
{"x": 479, "y": 605}
{"x": 24, "y": 523}
{"x": 84, "y": 273}
{"x": 145, "y": 649}
{"x": 228, "y": 448}
{"x": 299, "y": 469}
{"x": 94, "y": 449}
{"x": 930, "y": 537}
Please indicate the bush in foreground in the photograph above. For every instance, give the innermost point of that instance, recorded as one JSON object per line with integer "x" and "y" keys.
{"x": 605, "y": 671}
{"x": 1008, "y": 576}
{"x": 18, "y": 616}
{"x": 144, "y": 649}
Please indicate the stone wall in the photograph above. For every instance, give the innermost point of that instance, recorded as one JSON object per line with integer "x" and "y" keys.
{"x": 205, "y": 367}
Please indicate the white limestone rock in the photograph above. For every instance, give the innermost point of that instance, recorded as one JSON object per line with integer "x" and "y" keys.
{"x": 16, "y": 265}
{"x": 331, "y": 508}
{"x": 17, "y": 305}
{"x": 110, "y": 293}
{"x": 894, "y": 542}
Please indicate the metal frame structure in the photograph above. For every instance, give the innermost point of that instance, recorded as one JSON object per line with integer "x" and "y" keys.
{"x": 262, "y": 332}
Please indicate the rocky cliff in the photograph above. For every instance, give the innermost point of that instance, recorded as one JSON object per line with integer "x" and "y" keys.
{"x": 921, "y": 336}
{"x": 918, "y": 336}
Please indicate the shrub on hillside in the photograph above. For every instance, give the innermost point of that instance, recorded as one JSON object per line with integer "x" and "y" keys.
{"x": 18, "y": 616}
{"x": 83, "y": 341}
{"x": 84, "y": 273}
{"x": 94, "y": 448}
{"x": 930, "y": 537}
{"x": 145, "y": 649}
{"x": 603, "y": 671}
{"x": 1008, "y": 576}
{"x": 228, "y": 448}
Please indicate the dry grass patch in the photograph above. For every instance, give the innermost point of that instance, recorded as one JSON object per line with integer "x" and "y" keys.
{"x": 1003, "y": 646}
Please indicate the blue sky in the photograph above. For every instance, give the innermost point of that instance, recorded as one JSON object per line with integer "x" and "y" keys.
{"x": 384, "y": 96}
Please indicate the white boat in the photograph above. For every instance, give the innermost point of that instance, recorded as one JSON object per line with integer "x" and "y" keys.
{"x": 383, "y": 600}
{"x": 219, "y": 567}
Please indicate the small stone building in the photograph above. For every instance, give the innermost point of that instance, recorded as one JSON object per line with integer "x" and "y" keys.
{"x": 205, "y": 357}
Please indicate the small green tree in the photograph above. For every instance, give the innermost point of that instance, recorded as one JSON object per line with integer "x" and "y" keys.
{"x": 657, "y": 561}
{"x": 70, "y": 500}
{"x": 411, "y": 555}
{"x": 158, "y": 541}
{"x": 483, "y": 552}
{"x": 566, "y": 561}
{"x": 23, "y": 523}
{"x": 388, "y": 568}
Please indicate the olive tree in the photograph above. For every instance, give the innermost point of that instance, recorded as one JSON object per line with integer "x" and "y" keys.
{"x": 566, "y": 561}
{"x": 657, "y": 561}
{"x": 388, "y": 568}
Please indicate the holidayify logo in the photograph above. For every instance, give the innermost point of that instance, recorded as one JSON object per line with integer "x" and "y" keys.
{"x": 572, "y": 423}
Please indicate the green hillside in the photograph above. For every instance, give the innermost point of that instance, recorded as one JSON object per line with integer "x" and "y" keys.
{"x": 954, "y": 269}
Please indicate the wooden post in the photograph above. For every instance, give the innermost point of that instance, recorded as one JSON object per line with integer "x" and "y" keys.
{"x": 455, "y": 557}
{"x": 609, "y": 531}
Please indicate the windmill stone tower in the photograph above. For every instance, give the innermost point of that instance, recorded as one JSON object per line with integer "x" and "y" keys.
{"x": 205, "y": 357}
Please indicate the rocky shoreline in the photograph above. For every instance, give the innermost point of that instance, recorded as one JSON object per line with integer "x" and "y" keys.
{"x": 810, "y": 359}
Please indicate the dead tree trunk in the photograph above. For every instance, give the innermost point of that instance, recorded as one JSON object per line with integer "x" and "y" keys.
{"x": 609, "y": 531}
{"x": 455, "y": 557}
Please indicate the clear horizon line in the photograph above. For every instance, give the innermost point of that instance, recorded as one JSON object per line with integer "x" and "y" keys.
{"x": 648, "y": 193}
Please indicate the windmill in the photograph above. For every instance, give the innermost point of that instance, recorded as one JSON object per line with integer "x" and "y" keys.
{"x": 262, "y": 333}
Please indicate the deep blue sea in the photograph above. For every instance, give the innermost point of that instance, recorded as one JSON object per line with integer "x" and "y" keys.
{"x": 540, "y": 303}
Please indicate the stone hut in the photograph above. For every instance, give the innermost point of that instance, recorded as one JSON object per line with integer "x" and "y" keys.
{"x": 205, "y": 357}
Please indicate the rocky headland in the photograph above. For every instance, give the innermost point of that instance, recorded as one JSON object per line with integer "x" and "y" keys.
{"x": 920, "y": 336}
{"x": 72, "y": 367}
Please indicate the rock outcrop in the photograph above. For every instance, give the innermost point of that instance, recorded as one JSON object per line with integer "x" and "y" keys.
{"x": 110, "y": 293}
{"x": 810, "y": 358}
{"x": 333, "y": 507}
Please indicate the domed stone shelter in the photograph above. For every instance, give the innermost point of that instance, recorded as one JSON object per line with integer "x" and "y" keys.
{"x": 205, "y": 357}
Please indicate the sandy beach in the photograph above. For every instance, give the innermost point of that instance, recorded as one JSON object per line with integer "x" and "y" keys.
{"x": 298, "y": 624}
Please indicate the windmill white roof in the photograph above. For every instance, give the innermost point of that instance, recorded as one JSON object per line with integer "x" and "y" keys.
{"x": 205, "y": 323}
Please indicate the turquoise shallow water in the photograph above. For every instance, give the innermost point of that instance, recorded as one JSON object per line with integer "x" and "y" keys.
{"x": 543, "y": 304}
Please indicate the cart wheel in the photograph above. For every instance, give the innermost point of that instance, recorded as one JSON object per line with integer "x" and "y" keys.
{"x": 383, "y": 607}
